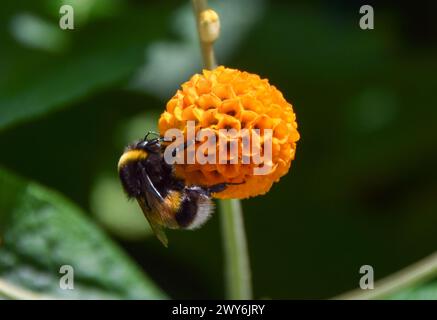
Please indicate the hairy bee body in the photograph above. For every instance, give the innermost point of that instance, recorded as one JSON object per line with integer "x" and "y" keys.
{"x": 165, "y": 200}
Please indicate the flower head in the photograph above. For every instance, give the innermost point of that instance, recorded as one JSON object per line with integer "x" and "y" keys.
{"x": 226, "y": 98}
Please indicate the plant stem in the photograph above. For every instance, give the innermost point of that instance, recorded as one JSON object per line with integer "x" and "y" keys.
{"x": 414, "y": 274}
{"x": 237, "y": 268}
{"x": 238, "y": 275}
{"x": 208, "y": 56}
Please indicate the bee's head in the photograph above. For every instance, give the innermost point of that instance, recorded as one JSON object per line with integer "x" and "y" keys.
{"x": 132, "y": 159}
{"x": 139, "y": 151}
{"x": 150, "y": 146}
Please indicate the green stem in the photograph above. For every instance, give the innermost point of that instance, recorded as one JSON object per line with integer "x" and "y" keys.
{"x": 237, "y": 268}
{"x": 413, "y": 275}
{"x": 238, "y": 275}
{"x": 208, "y": 57}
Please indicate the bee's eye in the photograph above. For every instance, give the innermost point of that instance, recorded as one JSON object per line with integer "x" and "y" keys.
{"x": 150, "y": 145}
{"x": 142, "y": 144}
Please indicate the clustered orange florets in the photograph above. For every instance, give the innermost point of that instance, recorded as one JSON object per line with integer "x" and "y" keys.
{"x": 226, "y": 98}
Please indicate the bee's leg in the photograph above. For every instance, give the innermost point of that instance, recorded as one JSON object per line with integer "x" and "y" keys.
{"x": 219, "y": 187}
{"x": 182, "y": 147}
{"x": 216, "y": 188}
{"x": 147, "y": 204}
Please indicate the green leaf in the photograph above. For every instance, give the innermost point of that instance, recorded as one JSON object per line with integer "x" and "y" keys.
{"x": 42, "y": 76}
{"x": 40, "y": 231}
{"x": 427, "y": 291}
{"x": 60, "y": 85}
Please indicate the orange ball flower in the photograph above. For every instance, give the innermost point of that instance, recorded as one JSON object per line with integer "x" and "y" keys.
{"x": 226, "y": 98}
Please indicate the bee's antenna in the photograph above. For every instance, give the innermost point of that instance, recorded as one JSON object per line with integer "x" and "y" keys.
{"x": 151, "y": 133}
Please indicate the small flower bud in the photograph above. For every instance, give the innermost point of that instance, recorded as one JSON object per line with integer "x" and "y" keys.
{"x": 209, "y": 26}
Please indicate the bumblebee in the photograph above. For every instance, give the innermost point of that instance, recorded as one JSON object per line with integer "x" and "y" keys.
{"x": 166, "y": 201}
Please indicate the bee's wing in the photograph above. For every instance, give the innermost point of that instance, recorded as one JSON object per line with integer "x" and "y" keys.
{"x": 151, "y": 188}
{"x": 157, "y": 228}
{"x": 161, "y": 209}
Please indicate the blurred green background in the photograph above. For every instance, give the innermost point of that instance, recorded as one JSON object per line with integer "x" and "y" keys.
{"x": 362, "y": 190}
